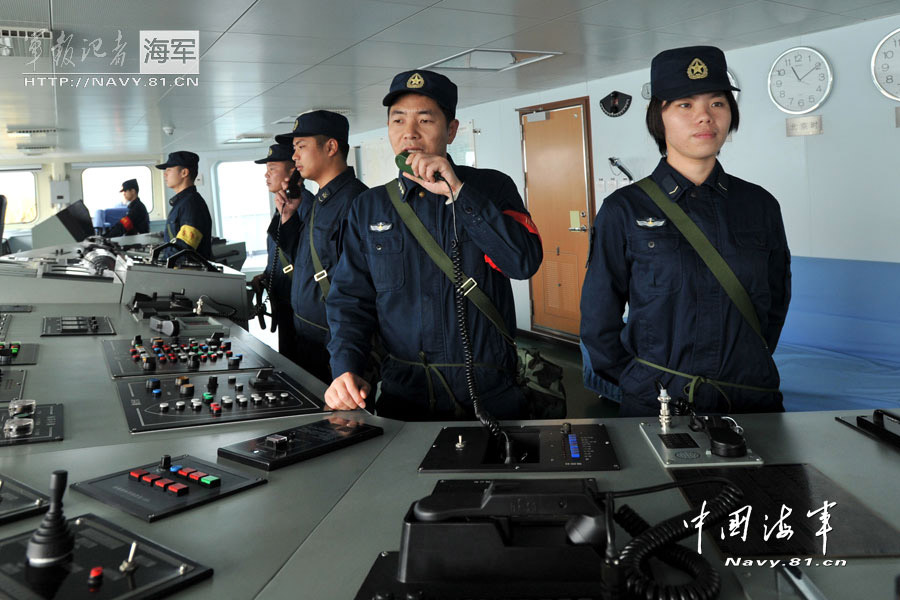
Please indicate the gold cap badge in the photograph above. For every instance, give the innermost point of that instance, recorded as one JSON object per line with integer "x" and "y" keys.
{"x": 296, "y": 122}
{"x": 697, "y": 69}
{"x": 270, "y": 152}
{"x": 415, "y": 81}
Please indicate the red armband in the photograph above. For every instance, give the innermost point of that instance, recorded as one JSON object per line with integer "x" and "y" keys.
{"x": 523, "y": 219}
{"x": 126, "y": 223}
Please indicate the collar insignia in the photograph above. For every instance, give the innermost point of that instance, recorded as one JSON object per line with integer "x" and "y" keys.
{"x": 697, "y": 69}
{"x": 415, "y": 81}
{"x": 381, "y": 226}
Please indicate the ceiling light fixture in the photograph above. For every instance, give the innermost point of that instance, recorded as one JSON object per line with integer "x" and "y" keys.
{"x": 494, "y": 60}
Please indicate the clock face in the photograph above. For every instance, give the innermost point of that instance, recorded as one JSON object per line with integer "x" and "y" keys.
{"x": 734, "y": 83}
{"x": 886, "y": 65}
{"x": 799, "y": 80}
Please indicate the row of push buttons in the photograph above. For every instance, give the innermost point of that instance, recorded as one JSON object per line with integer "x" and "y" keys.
{"x": 170, "y": 485}
{"x": 13, "y": 346}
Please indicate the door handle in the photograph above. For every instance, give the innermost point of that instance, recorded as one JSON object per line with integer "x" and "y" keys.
{"x": 582, "y": 228}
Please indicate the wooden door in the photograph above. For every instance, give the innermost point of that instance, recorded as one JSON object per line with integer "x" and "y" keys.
{"x": 556, "y": 148}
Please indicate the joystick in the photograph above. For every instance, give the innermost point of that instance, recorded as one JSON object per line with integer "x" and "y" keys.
{"x": 53, "y": 541}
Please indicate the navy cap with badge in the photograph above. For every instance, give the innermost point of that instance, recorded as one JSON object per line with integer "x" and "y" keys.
{"x": 681, "y": 72}
{"x": 131, "y": 184}
{"x": 427, "y": 83}
{"x": 278, "y": 153}
{"x": 318, "y": 122}
{"x": 182, "y": 158}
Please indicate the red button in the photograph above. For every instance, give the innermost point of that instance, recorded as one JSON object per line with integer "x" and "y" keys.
{"x": 150, "y": 478}
{"x": 96, "y": 572}
{"x": 196, "y": 475}
{"x": 178, "y": 489}
{"x": 186, "y": 471}
{"x": 137, "y": 474}
{"x": 215, "y": 408}
{"x": 163, "y": 483}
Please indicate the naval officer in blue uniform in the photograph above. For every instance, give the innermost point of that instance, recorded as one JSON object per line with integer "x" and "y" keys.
{"x": 136, "y": 220}
{"x": 683, "y": 329}
{"x": 320, "y": 146}
{"x": 281, "y": 244}
{"x": 386, "y": 283}
{"x": 189, "y": 223}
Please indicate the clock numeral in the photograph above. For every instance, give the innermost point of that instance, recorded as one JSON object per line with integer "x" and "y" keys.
{"x": 888, "y": 54}
{"x": 821, "y": 76}
{"x": 812, "y": 98}
{"x": 889, "y": 79}
{"x": 781, "y": 72}
{"x": 781, "y": 94}
{"x": 799, "y": 57}
{"x": 885, "y": 66}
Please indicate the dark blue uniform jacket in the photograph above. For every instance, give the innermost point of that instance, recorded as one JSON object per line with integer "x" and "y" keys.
{"x": 189, "y": 223}
{"x": 136, "y": 221}
{"x": 332, "y": 203}
{"x": 679, "y": 316}
{"x": 287, "y": 241}
{"x": 386, "y": 282}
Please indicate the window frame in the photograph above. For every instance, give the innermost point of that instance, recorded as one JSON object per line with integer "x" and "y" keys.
{"x": 9, "y": 225}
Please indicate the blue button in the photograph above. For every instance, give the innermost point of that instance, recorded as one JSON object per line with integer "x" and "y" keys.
{"x": 175, "y": 468}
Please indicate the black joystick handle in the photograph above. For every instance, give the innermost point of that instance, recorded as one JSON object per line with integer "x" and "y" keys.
{"x": 53, "y": 541}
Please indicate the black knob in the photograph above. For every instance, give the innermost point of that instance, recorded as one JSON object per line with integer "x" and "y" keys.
{"x": 149, "y": 363}
{"x": 212, "y": 384}
{"x": 153, "y": 384}
{"x": 137, "y": 341}
{"x": 186, "y": 391}
{"x": 165, "y": 462}
{"x": 234, "y": 362}
{"x": 194, "y": 362}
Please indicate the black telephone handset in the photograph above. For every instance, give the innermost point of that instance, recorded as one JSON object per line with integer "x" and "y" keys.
{"x": 295, "y": 187}
{"x": 400, "y": 160}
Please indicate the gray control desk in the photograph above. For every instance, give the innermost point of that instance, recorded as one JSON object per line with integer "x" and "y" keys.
{"x": 334, "y": 560}
{"x": 314, "y": 530}
{"x": 246, "y": 538}
{"x": 72, "y": 370}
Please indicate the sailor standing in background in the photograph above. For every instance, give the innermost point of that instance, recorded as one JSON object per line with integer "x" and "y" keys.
{"x": 136, "y": 220}
{"x": 189, "y": 224}
{"x": 320, "y": 144}
{"x": 281, "y": 243}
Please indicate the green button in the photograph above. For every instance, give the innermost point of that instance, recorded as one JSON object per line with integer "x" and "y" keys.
{"x": 210, "y": 481}
{"x": 208, "y": 396}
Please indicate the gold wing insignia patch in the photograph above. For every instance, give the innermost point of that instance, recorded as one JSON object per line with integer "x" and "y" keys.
{"x": 651, "y": 222}
{"x": 381, "y": 226}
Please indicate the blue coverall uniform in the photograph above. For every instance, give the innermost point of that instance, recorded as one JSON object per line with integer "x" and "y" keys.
{"x": 189, "y": 223}
{"x": 679, "y": 316}
{"x": 331, "y": 204}
{"x": 386, "y": 283}
{"x": 135, "y": 221}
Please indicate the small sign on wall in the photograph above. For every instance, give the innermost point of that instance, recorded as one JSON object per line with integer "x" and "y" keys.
{"x": 811, "y": 125}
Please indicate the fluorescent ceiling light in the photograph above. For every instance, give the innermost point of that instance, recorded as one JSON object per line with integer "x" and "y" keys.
{"x": 491, "y": 59}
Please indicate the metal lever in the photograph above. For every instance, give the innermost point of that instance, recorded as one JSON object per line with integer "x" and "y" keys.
{"x": 582, "y": 228}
